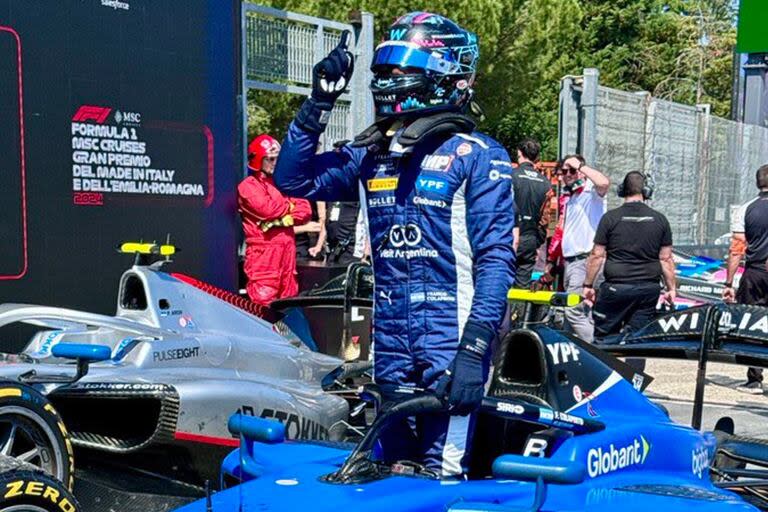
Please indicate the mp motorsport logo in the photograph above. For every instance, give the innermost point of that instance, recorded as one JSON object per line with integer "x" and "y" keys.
{"x": 601, "y": 461}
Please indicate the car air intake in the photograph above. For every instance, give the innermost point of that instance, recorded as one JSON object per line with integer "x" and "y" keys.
{"x": 118, "y": 418}
{"x": 520, "y": 368}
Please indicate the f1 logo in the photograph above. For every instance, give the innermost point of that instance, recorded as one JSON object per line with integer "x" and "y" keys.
{"x": 91, "y": 113}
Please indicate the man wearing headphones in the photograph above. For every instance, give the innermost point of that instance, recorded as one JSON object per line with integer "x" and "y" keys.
{"x": 635, "y": 243}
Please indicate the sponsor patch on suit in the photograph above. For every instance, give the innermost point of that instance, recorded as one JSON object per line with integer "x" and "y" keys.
{"x": 431, "y": 184}
{"x": 439, "y": 163}
{"x": 382, "y": 184}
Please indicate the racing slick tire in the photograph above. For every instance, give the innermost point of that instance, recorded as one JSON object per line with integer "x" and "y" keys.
{"x": 25, "y": 488}
{"x": 33, "y": 432}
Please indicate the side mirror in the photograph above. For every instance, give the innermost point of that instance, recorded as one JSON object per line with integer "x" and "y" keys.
{"x": 517, "y": 467}
{"x": 82, "y": 351}
{"x": 256, "y": 429}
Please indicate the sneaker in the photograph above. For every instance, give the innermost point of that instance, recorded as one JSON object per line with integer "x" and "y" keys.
{"x": 753, "y": 388}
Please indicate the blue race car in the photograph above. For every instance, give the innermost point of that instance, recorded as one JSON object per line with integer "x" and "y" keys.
{"x": 565, "y": 426}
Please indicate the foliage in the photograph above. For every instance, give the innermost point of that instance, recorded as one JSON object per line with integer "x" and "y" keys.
{"x": 677, "y": 49}
{"x": 270, "y": 112}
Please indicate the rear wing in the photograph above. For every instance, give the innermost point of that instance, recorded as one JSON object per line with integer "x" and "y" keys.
{"x": 729, "y": 333}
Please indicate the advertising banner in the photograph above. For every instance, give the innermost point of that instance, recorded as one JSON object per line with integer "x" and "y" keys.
{"x": 119, "y": 122}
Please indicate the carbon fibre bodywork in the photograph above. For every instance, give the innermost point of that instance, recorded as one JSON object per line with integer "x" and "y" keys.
{"x": 183, "y": 361}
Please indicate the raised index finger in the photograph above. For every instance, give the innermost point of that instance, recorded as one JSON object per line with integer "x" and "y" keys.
{"x": 344, "y": 40}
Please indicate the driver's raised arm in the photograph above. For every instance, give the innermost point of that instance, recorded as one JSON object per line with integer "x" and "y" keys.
{"x": 331, "y": 176}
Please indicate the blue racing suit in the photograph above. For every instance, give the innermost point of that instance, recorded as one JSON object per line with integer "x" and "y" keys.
{"x": 440, "y": 222}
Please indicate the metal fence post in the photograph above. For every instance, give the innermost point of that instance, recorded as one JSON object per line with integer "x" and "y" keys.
{"x": 702, "y": 164}
{"x": 589, "y": 115}
{"x": 704, "y": 169}
{"x": 649, "y": 138}
{"x": 243, "y": 92}
{"x": 568, "y": 111}
{"x": 756, "y": 89}
{"x": 362, "y": 101}
{"x": 320, "y": 55}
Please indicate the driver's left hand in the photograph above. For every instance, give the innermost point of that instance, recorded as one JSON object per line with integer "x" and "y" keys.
{"x": 463, "y": 384}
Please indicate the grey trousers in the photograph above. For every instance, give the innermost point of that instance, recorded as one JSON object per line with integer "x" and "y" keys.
{"x": 578, "y": 320}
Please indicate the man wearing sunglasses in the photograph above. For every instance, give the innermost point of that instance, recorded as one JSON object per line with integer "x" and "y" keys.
{"x": 583, "y": 210}
{"x": 440, "y": 217}
{"x": 268, "y": 220}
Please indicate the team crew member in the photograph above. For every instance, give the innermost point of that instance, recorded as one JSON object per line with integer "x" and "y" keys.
{"x": 268, "y": 220}
{"x": 532, "y": 195}
{"x": 750, "y": 239}
{"x": 341, "y": 230}
{"x": 635, "y": 243}
{"x": 582, "y": 213}
{"x": 310, "y": 241}
{"x": 440, "y": 217}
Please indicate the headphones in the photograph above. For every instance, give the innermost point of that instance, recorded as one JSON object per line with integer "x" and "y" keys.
{"x": 647, "y": 191}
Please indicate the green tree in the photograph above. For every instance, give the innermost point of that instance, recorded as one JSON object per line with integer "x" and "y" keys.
{"x": 676, "y": 49}
{"x": 519, "y": 79}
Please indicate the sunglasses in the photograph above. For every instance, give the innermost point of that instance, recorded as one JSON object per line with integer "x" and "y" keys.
{"x": 568, "y": 170}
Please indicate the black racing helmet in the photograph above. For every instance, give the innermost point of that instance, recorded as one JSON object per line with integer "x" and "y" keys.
{"x": 427, "y": 64}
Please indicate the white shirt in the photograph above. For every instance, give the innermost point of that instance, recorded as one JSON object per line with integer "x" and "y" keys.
{"x": 583, "y": 212}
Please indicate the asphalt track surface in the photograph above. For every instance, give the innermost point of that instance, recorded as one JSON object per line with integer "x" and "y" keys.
{"x": 674, "y": 386}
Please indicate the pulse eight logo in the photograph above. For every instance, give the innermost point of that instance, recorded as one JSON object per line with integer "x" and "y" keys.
{"x": 601, "y": 461}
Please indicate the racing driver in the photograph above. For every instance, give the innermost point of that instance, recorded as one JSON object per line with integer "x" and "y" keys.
{"x": 440, "y": 217}
{"x": 268, "y": 220}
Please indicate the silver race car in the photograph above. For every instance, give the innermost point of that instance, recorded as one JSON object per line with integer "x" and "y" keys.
{"x": 162, "y": 376}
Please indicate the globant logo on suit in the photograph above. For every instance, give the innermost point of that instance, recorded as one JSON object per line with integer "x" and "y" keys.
{"x": 425, "y": 201}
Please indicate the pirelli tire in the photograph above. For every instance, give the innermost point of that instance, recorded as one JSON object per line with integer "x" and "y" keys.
{"x": 32, "y": 431}
{"x": 25, "y": 488}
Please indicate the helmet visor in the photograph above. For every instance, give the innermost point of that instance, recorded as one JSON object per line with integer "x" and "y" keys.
{"x": 405, "y": 54}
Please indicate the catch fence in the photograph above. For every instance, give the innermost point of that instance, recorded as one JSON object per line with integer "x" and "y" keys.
{"x": 702, "y": 166}
{"x": 279, "y": 50}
